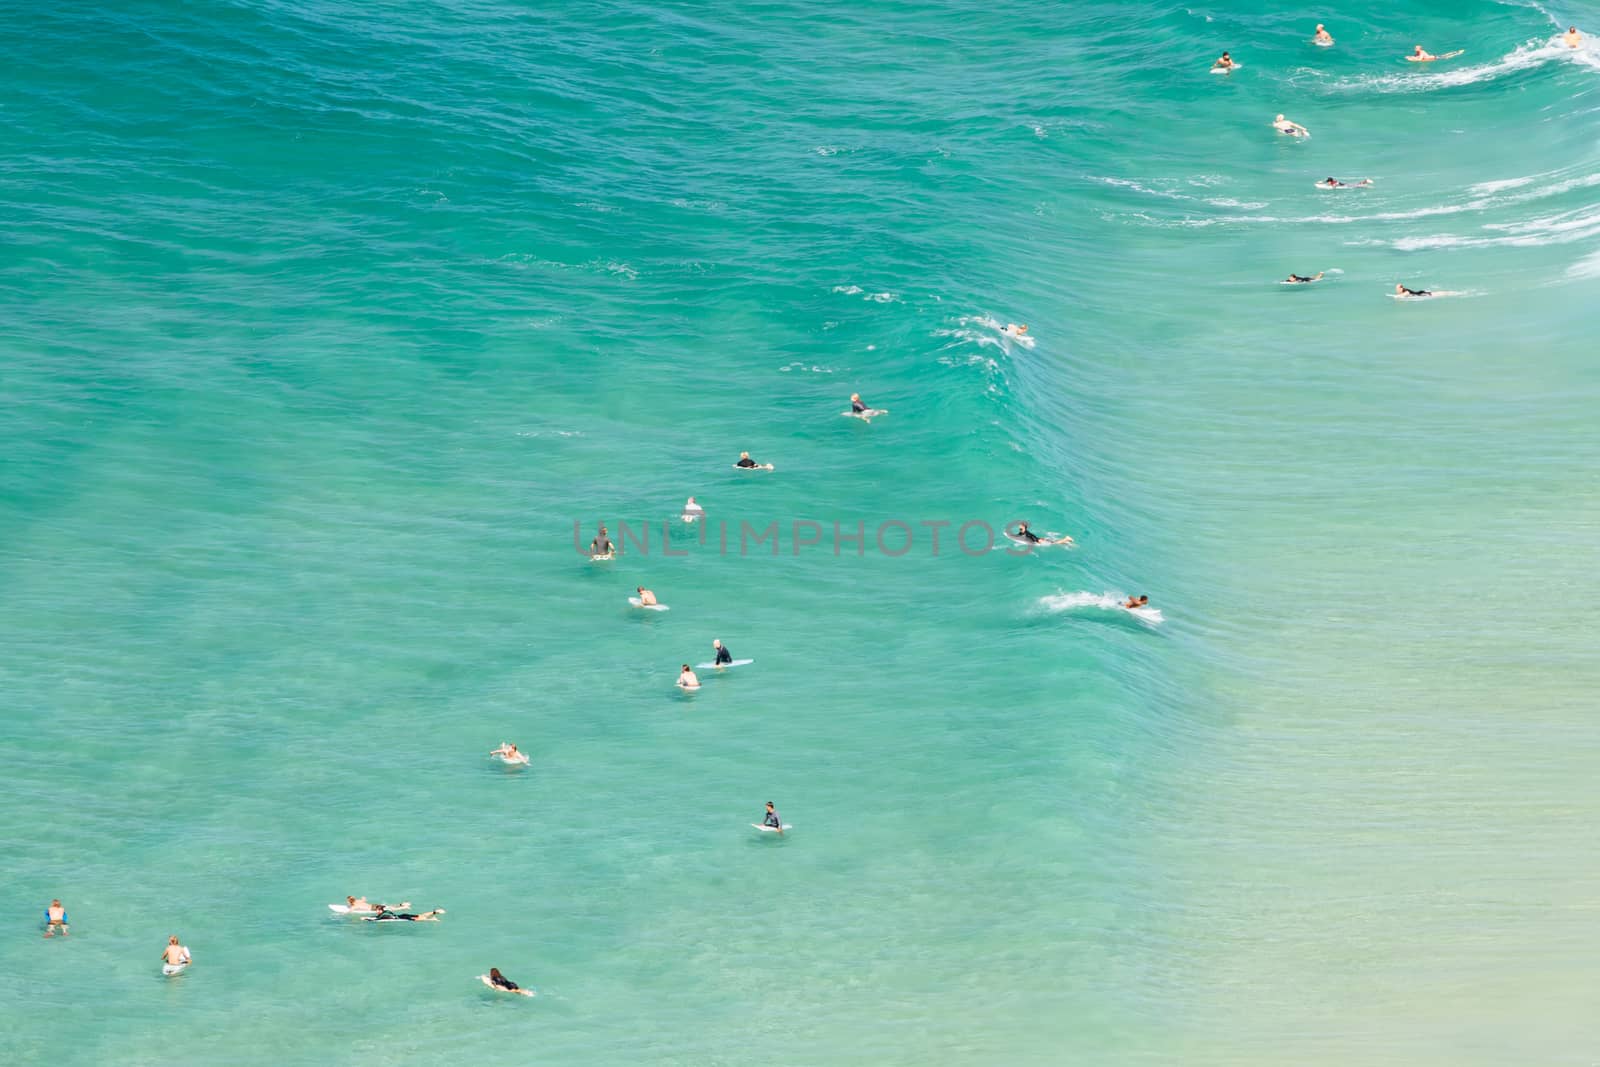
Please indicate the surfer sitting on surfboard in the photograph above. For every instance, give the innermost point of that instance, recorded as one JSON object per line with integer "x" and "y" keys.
{"x": 647, "y": 599}
{"x": 745, "y": 461}
{"x": 692, "y": 511}
{"x": 1301, "y": 279}
{"x": 601, "y": 545}
{"x": 175, "y": 955}
{"x": 1136, "y": 602}
{"x": 1225, "y": 62}
{"x": 723, "y": 655}
{"x": 772, "y": 819}
{"x": 1400, "y": 290}
{"x": 857, "y": 406}
{"x": 1322, "y": 35}
{"x": 687, "y": 678}
{"x": 55, "y": 917}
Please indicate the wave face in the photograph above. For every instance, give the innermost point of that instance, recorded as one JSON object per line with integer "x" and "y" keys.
{"x": 330, "y": 321}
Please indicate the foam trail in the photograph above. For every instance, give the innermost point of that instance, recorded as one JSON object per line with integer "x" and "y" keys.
{"x": 1060, "y": 602}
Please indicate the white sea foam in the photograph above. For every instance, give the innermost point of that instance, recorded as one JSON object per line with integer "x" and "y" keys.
{"x": 1523, "y": 57}
{"x": 1060, "y": 602}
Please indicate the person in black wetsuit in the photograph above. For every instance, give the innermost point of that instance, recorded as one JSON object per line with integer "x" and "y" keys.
{"x": 405, "y": 916}
{"x": 746, "y": 461}
{"x": 1026, "y": 534}
{"x": 723, "y": 655}
{"x": 1301, "y": 279}
{"x": 772, "y": 818}
{"x": 1400, "y": 290}
{"x": 500, "y": 981}
{"x": 856, "y": 404}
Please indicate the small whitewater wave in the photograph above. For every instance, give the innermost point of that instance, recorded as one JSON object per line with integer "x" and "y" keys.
{"x": 1523, "y": 57}
{"x": 876, "y": 298}
{"x": 1060, "y": 602}
{"x": 1203, "y": 181}
{"x": 990, "y": 331}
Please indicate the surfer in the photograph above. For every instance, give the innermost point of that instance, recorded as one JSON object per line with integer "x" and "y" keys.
{"x": 500, "y": 981}
{"x": 1015, "y": 330}
{"x": 361, "y": 904}
{"x": 1300, "y": 279}
{"x": 506, "y": 751}
{"x": 857, "y": 407}
{"x": 386, "y": 916}
{"x": 1136, "y": 602}
{"x": 1322, "y": 35}
{"x": 176, "y": 955}
{"x": 601, "y": 545}
{"x": 687, "y": 679}
{"x": 55, "y": 916}
{"x": 1225, "y": 62}
{"x": 1400, "y": 290}
{"x": 692, "y": 511}
{"x": 1335, "y": 183}
{"x": 1572, "y": 38}
{"x": 647, "y": 599}
{"x": 723, "y": 655}
{"x": 745, "y": 461}
{"x": 1293, "y": 129}
{"x": 1025, "y": 534}
{"x": 771, "y": 819}
{"x": 1423, "y": 56}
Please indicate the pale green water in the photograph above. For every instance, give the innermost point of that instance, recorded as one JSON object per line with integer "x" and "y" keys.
{"x": 328, "y": 322}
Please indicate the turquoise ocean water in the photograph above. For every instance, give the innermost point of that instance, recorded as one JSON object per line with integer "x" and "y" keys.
{"x": 326, "y": 322}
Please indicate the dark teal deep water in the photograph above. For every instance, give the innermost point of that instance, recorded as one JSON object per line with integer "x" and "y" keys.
{"x": 325, "y": 323}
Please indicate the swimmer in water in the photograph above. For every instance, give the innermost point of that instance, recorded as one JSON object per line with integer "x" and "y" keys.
{"x": 1293, "y": 129}
{"x": 1136, "y": 602}
{"x": 601, "y": 545}
{"x": 175, "y": 955}
{"x": 1572, "y": 38}
{"x": 647, "y": 599}
{"x": 1225, "y": 62}
{"x": 387, "y": 916}
{"x": 687, "y": 679}
{"x": 1400, "y": 290}
{"x": 771, "y": 818}
{"x": 506, "y": 751}
{"x": 723, "y": 655}
{"x": 55, "y": 917}
{"x": 500, "y": 981}
{"x": 1322, "y": 35}
{"x": 1300, "y": 279}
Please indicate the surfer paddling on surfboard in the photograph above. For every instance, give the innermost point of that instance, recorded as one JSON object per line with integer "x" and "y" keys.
{"x": 1301, "y": 279}
{"x": 1400, "y": 290}
{"x": 1136, "y": 602}
{"x": 508, "y": 753}
{"x": 1421, "y": 55}
{"x": 1335, "y": 183}
{"x": 387, "y": 916}
{"x": 1293, "y": 129}
{"x": 55, "y": 918}
{"x": 360, "y": 904}
{"x": 495, "y": 980}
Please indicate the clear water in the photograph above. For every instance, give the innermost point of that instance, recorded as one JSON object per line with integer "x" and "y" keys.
{"x": 326, "y": 322}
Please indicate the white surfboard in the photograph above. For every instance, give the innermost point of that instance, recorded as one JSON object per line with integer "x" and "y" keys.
{"x": 1322, "y": 44}
{"x": 757, "y": 467}
{"x": 345, "y": 909}
{"x": 1425, "y": 296}
{"x": 770, "y": 829}
{"x": 519, "y": 760}
{"x": 719, "y": 666}
{"x": 694, "y": 516}
{"x": 1226, "y": 70}
{"x": 603, "y": 557}
{"x": 636, "y": 602}
{"x": 865, "y": 416}
{"x": 172, "y": 970}
{"x": 486, "y": 980}
{"x": 1364, "y": 183}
